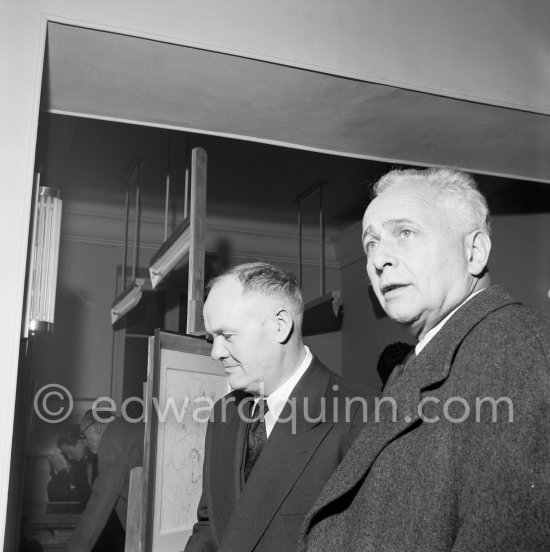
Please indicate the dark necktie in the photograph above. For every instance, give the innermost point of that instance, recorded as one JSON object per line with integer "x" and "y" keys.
{"x": 256, "y": 436}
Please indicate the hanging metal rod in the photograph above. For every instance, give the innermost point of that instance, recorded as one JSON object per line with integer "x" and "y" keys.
{"x": 131, "y": 176}
{"x": 316, "y": 188}
{"x": 308, "y": 192}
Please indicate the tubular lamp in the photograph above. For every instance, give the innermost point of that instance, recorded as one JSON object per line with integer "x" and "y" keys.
{"x": 44, "y": 258}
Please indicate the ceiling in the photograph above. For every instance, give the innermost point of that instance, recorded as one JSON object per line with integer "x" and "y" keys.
{"x": 271, "y": 130}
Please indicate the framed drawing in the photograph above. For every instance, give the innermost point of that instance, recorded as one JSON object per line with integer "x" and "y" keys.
{"x": 183, "y": 384}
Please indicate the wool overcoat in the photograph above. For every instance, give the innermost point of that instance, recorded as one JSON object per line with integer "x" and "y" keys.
{"x": 459, "y": 458}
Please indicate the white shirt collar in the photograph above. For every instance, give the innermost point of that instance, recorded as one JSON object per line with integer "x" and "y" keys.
{"x": 277, "y": 400}
{"x": 430, "y": 335}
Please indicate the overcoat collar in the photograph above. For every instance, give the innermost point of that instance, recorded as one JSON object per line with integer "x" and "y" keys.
{"x": 287, "y": 452}
{"x": 429, "y": 369}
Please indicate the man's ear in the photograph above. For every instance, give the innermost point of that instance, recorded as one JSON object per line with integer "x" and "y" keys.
{"x": 285, "y": 325}
{"x": 478, "y": 247}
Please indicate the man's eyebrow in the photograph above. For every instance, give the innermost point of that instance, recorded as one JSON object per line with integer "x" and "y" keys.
{"x": 367, "y": 230}
{"x": 388, "y": 223}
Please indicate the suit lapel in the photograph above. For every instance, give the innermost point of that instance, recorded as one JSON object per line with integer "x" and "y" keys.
{"x": 430, "y": 368}
{"x": 227, "y": 452}
{"x": 284, "y": 457}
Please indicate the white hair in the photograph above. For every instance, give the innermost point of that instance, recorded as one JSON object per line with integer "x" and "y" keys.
{"x": 467, "y": 203}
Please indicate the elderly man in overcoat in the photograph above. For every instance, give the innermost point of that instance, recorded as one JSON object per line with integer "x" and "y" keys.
{"x": 458, "y": 457}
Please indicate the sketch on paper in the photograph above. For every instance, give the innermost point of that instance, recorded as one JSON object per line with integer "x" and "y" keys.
{"x": 187, "y": 396}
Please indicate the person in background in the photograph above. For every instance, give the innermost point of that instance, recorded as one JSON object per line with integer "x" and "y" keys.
{"x": 119, "y": 448}
{"x": 73, "y": 470}
{"x": 459, "y": 458}
{"x": 264, "y": 468}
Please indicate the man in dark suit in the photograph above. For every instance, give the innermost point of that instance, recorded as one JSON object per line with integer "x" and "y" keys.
{"x": 252, "y": 500}
{"x": 459, "y": 458}
{"x": 119, "y": 448}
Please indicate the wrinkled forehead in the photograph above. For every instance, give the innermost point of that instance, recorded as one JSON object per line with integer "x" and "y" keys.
{"x": 403, "y": 201}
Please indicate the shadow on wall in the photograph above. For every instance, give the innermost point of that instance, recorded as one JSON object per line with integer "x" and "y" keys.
{"x": 59, "y": 356}
{"x": 216, "y": 263}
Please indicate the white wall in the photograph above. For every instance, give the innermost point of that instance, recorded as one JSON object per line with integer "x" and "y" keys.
{"x": 503, "y": 59}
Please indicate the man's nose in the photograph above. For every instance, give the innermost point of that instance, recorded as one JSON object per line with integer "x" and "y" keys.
{"x": 218, "y": 350}
{"x": 383, "y": 256}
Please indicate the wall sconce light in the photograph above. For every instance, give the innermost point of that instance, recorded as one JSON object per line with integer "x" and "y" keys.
{"x": 43, "y": 260}
{"x": 170, "y": 253}
{"x": 127, "y": 300}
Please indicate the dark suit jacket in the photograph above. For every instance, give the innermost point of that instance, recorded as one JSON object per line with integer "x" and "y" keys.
{"x": 416, "y": 484}
{"x": 266, "y": 513}
{"x": 72, "y": 485}
{"x": 120, "y": 450}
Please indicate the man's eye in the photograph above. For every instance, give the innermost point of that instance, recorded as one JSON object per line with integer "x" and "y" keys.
{"x": 369, "y": 246}
{"x": 405, "y": 233}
